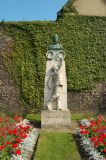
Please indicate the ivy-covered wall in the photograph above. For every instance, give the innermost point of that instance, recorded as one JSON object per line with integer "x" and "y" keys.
{"x": 84, "y": 41}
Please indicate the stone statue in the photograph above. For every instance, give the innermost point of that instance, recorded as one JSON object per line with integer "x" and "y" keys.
{"x": 55, "y": 114}
{"x": 55, "y": 84}
{"x": 55, "y": 93}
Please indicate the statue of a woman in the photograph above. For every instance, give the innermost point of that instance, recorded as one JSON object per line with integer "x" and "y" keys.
{"x": 55, "y": 84}
{"x": 55, "y": 92}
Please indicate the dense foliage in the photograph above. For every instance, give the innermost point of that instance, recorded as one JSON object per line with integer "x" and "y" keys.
{"x": 84, "y": 41}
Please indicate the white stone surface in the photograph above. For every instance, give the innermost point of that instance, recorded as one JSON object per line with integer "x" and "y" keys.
{"x": 55, "y": 119}
{"x": 62, "y": 90}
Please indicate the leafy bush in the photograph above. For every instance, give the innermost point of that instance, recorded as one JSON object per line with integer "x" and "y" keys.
{"x": 84, "y": 41}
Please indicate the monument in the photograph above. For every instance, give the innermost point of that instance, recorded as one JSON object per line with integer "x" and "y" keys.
{"x": 55, "y": 113}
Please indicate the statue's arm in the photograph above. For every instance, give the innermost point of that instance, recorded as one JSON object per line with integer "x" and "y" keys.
{"x": 50, "y": 81}
{"x": 60, "y": 80}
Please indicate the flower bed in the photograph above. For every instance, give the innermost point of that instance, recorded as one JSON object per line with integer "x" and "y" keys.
{"x": 92, "y": 134}
{"x": 17, "y": 138}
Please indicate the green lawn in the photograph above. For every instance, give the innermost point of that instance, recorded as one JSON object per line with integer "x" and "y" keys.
{"x": 56, "y": 146}
{"x": 36, "y": 117}
{"x": 77, "y": 116}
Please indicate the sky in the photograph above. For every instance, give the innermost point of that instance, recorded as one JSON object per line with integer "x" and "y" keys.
{"x": 28, "y": 10}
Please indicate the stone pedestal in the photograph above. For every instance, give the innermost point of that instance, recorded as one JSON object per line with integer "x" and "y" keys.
{"x": 55, "y": 119}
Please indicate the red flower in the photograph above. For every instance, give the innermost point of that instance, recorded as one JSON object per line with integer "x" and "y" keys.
{"x": 93, "y": 123}
{"x": 15, "y": 145}
{"x": 81, "y": 127}
{"x": 1, "y": 147}
{"x": 1, "y": 119}
{"x": 15, "y": 131}
{"x": 100, "y": 140}
{"x": 28, "y": 127}
{"x": 7, "y": 143}
{"x": 104, "y": 150}
{"x": 96, "y": 133}
{"x": 96, "y": 144}
{"x": 18, "y": 152}
{"x": 3, "y": 135}
{"x": 93, "y": 139}
{"x": 86, "y": 132}
{"x": 104, "y": 143}
{"x": 17, "y": 118}
{"x": 10, "y": 131}
{"x": 5, "y": 128}
{"x": 82, "y": 131}
{"x": 23, "y": 135}
{"x": 18, "y": 140}
{"x": 21, "y": 127}
{"x": 100, "y": 117}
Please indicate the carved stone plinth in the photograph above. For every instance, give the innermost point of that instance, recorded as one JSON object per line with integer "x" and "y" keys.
{"x": 55, "y": 119}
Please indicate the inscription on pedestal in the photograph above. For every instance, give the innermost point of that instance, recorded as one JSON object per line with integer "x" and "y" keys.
{"x": 55, "y": 119}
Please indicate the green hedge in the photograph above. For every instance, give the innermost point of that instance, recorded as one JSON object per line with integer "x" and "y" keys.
{"x": 84, "y": 41}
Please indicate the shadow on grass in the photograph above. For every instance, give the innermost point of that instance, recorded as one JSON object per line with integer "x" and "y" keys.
{"x": 33, "y": 155}
{"x": 36, "y": 123}
{"x": 82, "y": 152}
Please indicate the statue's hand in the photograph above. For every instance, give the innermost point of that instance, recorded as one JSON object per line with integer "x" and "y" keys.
{"x": 55, "y": 96}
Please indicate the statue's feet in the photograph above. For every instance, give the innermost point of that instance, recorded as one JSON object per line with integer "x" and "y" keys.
{"x": 49, "y": 108}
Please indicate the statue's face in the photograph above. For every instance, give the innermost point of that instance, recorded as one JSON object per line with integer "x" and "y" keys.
{"x": 56, "y": 38}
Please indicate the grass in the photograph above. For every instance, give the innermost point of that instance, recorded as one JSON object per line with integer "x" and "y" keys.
{"x": 36, "y": 117}
{"x": 76, "y": 117}
{"x": 56, "y": 146}
{"x": 79, "y": 116}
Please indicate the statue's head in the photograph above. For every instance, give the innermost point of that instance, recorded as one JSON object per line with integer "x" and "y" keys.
{"x": 55, "y": 45}
{"x": 55, "y": 38}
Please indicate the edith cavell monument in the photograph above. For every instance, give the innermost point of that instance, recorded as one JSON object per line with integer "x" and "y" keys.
{"x": 55, "y": 114}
